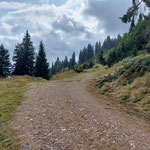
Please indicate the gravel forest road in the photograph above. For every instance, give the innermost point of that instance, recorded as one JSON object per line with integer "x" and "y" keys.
{"x": 64, "y": 115}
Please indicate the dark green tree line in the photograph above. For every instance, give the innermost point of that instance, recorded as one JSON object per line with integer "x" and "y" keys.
{"x": 86, "y": 54}
{"x": 59, "y": 66}
{"x": 131, "y": 43}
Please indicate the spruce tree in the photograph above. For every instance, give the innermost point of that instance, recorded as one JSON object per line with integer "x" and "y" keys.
{"x": 97, "y": 47}
{"x": 5, "y": 64}
{"x": 29, "y": 54}
{"x": 66, "y": 62}
{"x": 24, "y": 57}
{"x": 84, "y": 55}
{"x": 80, "y": 57}
{"x": 18, "y": 58}
{"x": 102, "y": 60}
{"x": 41, "y": 64}
{"x": 140, "y": 17}
{"x": 57, "y": 66}
{"x": 52, "y": 70}
{"x": 132, "y": 26}
{"x": 62, "y": 64}
{"x": 73, "y": 60}
{"x": 90, "y": 52}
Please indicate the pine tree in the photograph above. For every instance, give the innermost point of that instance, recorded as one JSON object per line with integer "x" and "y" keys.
{"x": 66, "y": 62}
{"x": 102, "y": 59}
{"x": 84, "y": 55}
{"x": 18, "y": 58}
{"x": 90, "y": 52}
{"x": 110, "y": 43}
{"x": 29, "y": 54}
{"x": 41, "y": 65}
{"x": 4, "y": 62}
{"x": 81, "y": 57}
{"x": 97, "y": 48}
{"x": 73, "y": 60}
{"x": 62, "y": 64}
{"x": 52, "y": 70}
{"x": 99, "y": 45}
{"x": 24, "y": 57}
{"x": 132, "y": 26}
{"x": 140, "y": 17}
{"x": 57, "y": 66}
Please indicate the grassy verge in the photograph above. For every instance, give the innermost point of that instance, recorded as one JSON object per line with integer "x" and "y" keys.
{"x": 127, "y": 85}
{"x": 11, "y": 95}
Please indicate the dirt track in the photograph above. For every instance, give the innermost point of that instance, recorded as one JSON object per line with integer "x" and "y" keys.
{"x": 63, "y": 115}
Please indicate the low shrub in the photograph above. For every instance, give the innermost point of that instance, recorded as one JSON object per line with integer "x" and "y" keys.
{"x": 82, "y": 67}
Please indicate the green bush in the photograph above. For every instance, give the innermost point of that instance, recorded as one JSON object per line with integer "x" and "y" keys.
{"x": 78, "y": 68}
{"x": 82, "y": 67}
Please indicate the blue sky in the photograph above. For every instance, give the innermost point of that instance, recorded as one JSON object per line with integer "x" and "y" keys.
{"x": 63, "y": 25}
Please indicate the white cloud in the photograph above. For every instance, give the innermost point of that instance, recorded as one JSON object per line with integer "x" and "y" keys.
{"x": 45, "y": 1}
{"x": 63, "y": 29}
{"x": 12, "y": 5}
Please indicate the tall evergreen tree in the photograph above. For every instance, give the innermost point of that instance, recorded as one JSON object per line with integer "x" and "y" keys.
{"x": 73, "y": 60}
{"x": 66, "y": 63}
{"x": 18, "y": 58}
{"x": 52, "y": 70}
{"x": 81, "y": 57}
{"x": 140, "y": 17}
{"x": 57, "y": 65}
{"x": 24, "y": 57}
{"x": 132, "y": 26}
{"x": 4, "y": 62}
{"x": 84, "y": 55}
{"x": 102, "y": 60}
{"x": 90, "y": 52}
{"x": 62, "y": 64}
{"x": 29, "y": 54}
{"x": 110, "y": 43}
{"x": 97, "y": 47}
{"x": 41, "y": 65}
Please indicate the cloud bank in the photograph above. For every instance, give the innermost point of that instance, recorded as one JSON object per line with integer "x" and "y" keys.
{"x": 63, "y": 28}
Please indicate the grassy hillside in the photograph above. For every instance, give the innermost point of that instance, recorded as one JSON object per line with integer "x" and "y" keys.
{"x": 127, "y": 81}
{"x": 128, "y": 84}
{"x": 11, "y": 95}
